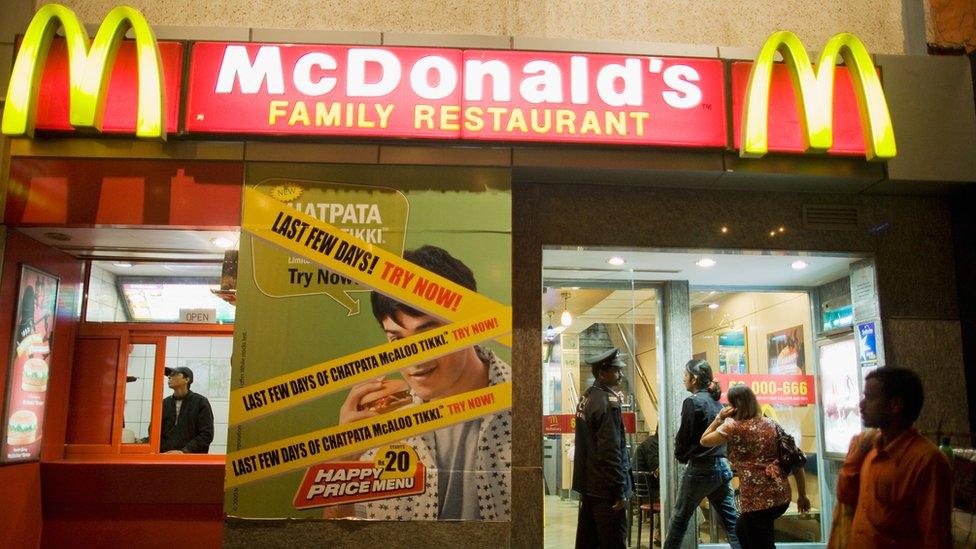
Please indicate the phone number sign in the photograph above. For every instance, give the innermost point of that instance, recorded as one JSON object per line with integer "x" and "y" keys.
{"x": 794, "y": 390}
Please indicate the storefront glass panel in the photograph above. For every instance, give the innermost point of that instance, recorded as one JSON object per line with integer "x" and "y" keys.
{"x": 759, "y": 318}
{"x": 766, "y": 341}
{"x": 606, "y": 309}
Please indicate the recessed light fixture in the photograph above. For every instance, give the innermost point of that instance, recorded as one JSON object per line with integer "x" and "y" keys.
{"x": 705, "y": 262}
{"x": 782, "y": 229}
{"x": 713, "y": 306}
{"x": 60, "y": 237}
{"x": 222, "y": 242}
{"x": 122, "y": 264}
{"x": 724, "y": 229}
{"x": 799, "y": 264}
{"x": 616, "y": 261}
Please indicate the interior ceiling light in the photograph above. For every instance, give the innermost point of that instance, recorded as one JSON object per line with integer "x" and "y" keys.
{"x": 123, "y": 264}
{"x": 222, "y": 242}
{"x": 799, "y": 264}
{"x": 705, "y": 262}
{"x": 724, "y": 230}
{"x": 566, "y": 318}
{"x": 713, "y": 306}
{"x": 616, "y": 261}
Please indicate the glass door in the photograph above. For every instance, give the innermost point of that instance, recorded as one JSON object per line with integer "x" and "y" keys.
{"x": 584, "y": 314}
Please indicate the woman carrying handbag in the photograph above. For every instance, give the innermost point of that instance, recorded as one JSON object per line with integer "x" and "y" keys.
{"x": 762, "y": 456}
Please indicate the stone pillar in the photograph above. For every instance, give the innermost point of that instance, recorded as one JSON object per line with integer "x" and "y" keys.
{"x": 675, "y": 351}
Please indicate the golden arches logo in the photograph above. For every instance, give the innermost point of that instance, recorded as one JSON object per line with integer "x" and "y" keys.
{"x": 89, "y": 68}
{"x": 814, "y": 90}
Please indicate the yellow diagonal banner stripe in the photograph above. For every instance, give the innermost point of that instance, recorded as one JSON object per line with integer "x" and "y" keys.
{"x": 281, "y": 392}
{"x": 365, "y": 263}
{"x": 298, "y": 452}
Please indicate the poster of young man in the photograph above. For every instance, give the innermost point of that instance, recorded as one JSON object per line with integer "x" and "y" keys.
{"x": 371, "y": 373}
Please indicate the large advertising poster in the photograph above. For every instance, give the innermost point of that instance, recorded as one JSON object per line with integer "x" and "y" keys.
{"x": 785, "y": 351}
{"x": 732, "y": 355}
{"x": 841, "y": 395}
{"x": 371, "y": 373}
{"x": 37, "y": 298}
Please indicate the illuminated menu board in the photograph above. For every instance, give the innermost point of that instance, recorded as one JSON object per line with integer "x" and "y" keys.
{"x": 30, "y": 359}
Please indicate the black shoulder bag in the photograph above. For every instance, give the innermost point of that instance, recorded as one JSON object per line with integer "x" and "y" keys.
{"x": 790, "y": 457}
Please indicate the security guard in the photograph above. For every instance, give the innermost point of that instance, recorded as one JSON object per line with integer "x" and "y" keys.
{"x": 602, "y": 464}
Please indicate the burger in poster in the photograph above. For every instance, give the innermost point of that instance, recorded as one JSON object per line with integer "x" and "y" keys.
{"x": 395, "y": 393}
{"x": 22, "y": 428}
{"x": 34, "y": 378}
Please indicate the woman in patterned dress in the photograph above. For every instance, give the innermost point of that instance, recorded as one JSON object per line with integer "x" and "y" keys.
{"x": 764, "y": 490}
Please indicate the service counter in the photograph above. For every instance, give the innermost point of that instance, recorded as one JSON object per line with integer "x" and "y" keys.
{"x": 149, "y": 501}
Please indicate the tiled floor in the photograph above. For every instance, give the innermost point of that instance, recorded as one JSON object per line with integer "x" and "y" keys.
{"x": 561, "y": 518}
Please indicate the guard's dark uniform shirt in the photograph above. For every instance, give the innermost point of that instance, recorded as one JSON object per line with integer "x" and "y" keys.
{"x": 601, "y": 465}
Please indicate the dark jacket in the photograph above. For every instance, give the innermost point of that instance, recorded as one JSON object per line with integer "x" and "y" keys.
{"x": 697, "y": 412}
{"x": 646, "y": 456}
{"x": 601, "y": 465}
{"x": 646, "y": 460}
{"x": 193, "y": 431}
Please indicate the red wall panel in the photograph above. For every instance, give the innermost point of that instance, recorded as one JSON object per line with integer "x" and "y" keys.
{"x": 21, "y": 505}
{"x": 86, "y": 192}
{"x": 93, "y": 382}
{"x": 169, "y": 503}
{"x": 21, "y": 484}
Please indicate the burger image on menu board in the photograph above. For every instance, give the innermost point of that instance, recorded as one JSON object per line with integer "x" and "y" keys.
{"x": 394, "y": 394}
{"x": 34, "y": 378}
{"x": 22, "y": 428}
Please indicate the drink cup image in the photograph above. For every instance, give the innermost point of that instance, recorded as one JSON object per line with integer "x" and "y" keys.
{"x": 34, "y": 378}
{"x": 22, "y": 429}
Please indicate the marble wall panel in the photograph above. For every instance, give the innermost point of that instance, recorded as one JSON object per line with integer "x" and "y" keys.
{"x": 933, "y": 348}
{"x": 728, "y": 23}
{"x": 354, "y": 534}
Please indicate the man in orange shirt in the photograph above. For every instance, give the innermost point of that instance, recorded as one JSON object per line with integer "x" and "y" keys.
{"x": 898, "y": 482}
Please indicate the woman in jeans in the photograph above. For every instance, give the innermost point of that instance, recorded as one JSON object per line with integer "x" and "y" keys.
{"x": 708, "y": 473}
{"x": 764, "y": 490}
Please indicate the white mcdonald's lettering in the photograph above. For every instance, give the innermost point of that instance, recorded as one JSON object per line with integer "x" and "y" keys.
{"x": 266, "y": 68}
{"x": 433, "y": 77}
{"x": 356, "y": 85}
{"x": 684, "y": 94}
{"x": 475, "y": 71}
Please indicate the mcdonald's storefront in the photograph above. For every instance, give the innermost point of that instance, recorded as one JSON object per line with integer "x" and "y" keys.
{"x": 765, "y": 216}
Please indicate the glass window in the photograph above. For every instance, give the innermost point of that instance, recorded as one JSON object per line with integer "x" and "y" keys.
{"x": 209, "y": 360}
{"x": 138, "y": 393}
{"x": 154, "y": 299}
{"x": 605, "y": 309}
{"x": 766, "y": 340}
{"x": 783, "y": 323}
{"x": 157, "y": 292}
